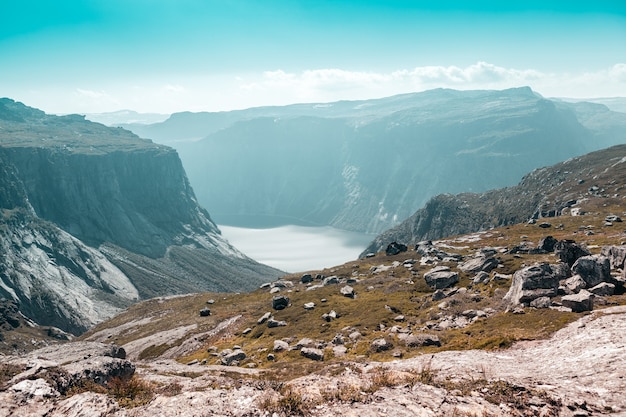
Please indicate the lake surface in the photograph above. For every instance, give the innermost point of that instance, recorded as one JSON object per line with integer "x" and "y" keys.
{"x": 298, "y": 248}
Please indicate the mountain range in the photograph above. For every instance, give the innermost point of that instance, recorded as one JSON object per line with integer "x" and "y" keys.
{"x": 367, "y": 165}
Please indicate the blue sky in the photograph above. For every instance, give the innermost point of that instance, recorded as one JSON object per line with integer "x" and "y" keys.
{"x": 174, "y": 55}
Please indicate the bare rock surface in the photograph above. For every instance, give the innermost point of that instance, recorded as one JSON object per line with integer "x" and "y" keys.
{"x": 578, "y": 371}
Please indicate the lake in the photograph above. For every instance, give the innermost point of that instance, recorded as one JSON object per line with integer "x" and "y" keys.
{"x": 298, "y": 248}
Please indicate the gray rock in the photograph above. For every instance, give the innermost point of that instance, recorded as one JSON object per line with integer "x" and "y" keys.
{"x": 380, "y": 345}
{"x": 539, "y": 280}
{"x": 441, "y": 277}
{"x": 305, "y": 342}
{"x": 481, "y": 263}
{"x": 265, "y": 317}
{"x": 547, "y": 244}
{"x": 603, "y": 289}
{"x": 309, "y": 306}
{"x": 306, "y": 278}
{"x": 280, "y": 302}
{"x": 355, "y": 335}
{"x": 347, "y": 291}
{"x": 616, "y": 255}
{"x": 438, "y": 295}
{"x": 247, "y": 331}
{"x": 312, "y": 353}
{"x": 331, "y": 280}
{"x": 205, "y": 312}
{"x": 583, "y": 301}
{"x": 541, "y": 302}
{"x": 233, "y": 358}
{"x": 569, "y": 251}
{"x": 593, "y": 269}
{"x": 481, "y": 277}
{"x": 271, "y": 323}
{"x": 280, "y": 346}
{"x": 395, "y": 248}
{"x": 281, "y": 283}
{"x": 338, "y": 339}
{"x": 421, "y": 339}
{"x": 274, "y": 290}
{"x": 339, "y": 351}
{"x": 575, "y": 284}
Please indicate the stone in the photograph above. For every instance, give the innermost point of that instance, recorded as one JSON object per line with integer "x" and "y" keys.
{"x": 339, "y": 351}
{"x": 547, "y": 244}
{"x": 306, "y": 278}
{"x": 481, "y": 277}
{"x": 330, "y": 316}
{"x": 438, "y": 295}
{"x": 280, "y": 302}
{"x": 233, "y": 358}
{"x": 395, "y": 248}
{"x": 355, "y": 335}
{"x": 541, "y": 302}
{"x": 312, "y": 353}
{"x": 205, "y": 312}
{"x": 271, "y": 357}
{"x": 480, "y": 263}
{"x": 583, "y": 301}
{"x": 569, "y": 251}
{"x": 421, "y": 339}
{"x": 338, "y": 339}
{"x": 603, "y": 289}
{"x": 247, "y": 331}
{"x": 281, "y": 283}
{"x": 331, "y": 280}
{"x": 616, "y": 255}
{"x": 271, "y": 323}
{"x": 539, "y": 280}
{"x": 593, "y": 269}
{"x": 265, "y": 317}
{"x": 574, "y": 284}
{"x": 34, "y": 388}
{"x": 211, "y": 301}
{"x": 612, "y": 218}
{"x": 545, "y": 225}
{"x": 441, "y": 277}
{"x": 309, "y": 306}
{"x": 274, "y": 290}
{"x": 280, "y": 346}
{"x": 380, "y": 345}
{"x": 399, "y": 318}
{"x": 347, "y": 291}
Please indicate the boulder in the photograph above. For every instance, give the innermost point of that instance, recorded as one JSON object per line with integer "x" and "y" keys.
{"x": 539, "y": 280}
{"x": 380, "y": 345}
{"x": 541, "y": 302}
{"x": 574, "y": 284}
{"x": 265, "y": 317}
{"x": 347, "y": 291}
{"x": 280, "y": 346}
{"x": 312, "y": 353}
{"x": 616, "y": 255}
{"x": 280, "y": 302}
{"x": 419, "y": 340}
{"x": 331, "y": 280}
{"x": 480, "y": 263}
{"x": 583, "y": 301}
{"x": 309, "y": 306}
{"x": 233, "y": 358}
{"x": 441, "y": 277}
{"x": 271, "y": 323}
{"x": 593, "y": 269}
{"x": 569, "y": 251}
{"x": 395, "y": 248}
{"x": 481, "y": 277}
{"x": 205, "y": 312}
{"x": 306, "y": 278}
{"x": 547, "y": 244}
{"x": 603, "y": 289}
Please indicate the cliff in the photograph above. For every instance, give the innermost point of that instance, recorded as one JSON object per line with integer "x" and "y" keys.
{"x": 94, "y": 218}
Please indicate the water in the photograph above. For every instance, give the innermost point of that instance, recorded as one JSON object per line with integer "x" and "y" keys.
{"x": 298, "y": 248}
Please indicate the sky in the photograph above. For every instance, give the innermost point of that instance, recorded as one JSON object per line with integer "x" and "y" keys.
{"x": 164, "y": 56}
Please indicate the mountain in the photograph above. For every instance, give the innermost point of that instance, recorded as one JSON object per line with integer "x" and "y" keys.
{"x": 616, "y": 104}
{"x": 367, "y": 165}
{"x": 95, "y": 218}
{"x": 544, "y": 193}
{"x": 121, "y": 117}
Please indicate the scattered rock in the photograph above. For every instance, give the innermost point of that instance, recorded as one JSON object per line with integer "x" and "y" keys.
{"x": 545, "y": 225}
{"x": 583, "y": 301}
{"x": 574, "y": 284}
{"x": 309, "y": 306}
{"x": 271, "y": 323}
{"x": 280, "y": 346}
{"x": 211, "y": 301}
{"x": 481, "y": 263}
{"x": 233, "y": 358}
{"x": 539, "y": 280}
{"x": 331, "y": 280}
{"x": 399, "y": 318}
{"x": 306, "y": 278}
{"x": 247, "y": 331}
{"x": 616, "y": 255}
{"x": 280, "y": 302}
{"x": 205, "y": 312}
{"x": 421, "y": 339}
{"x": 347, "y": 291}
{"x": 541, "y": 302}
{"x": 569, "y": 251}
{"x": 481, "y": 277}
{"x": 330, "y": 316}
{"x": 338, "y": 339}
{"x": 441, "y": 277}
{"x": 603, "y": 289}
{"x": 395, "y": 248}
{"x": 593, "y": 269}
{"x": 380, "y": 345}
{"x": 547, "y": 244}
{"x": 312, "y": 353}
{"x": 265, "y": 317}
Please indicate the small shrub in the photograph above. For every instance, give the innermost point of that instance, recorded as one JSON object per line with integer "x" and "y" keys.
{"x": 130, "y": 392}
{"x": 8, "y": 371}
{"x": 288, "y": 402}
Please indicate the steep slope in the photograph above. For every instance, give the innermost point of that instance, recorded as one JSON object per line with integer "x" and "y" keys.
{"x": 67, "y": 183}
{"x": 545, "y": 192}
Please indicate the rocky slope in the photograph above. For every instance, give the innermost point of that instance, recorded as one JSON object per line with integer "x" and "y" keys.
{"x": 367, "y": 165}
{"x": 545, "y": 192}
{"x": 94, "y": 218}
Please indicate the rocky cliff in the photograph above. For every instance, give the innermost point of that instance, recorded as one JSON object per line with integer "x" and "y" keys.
{"x": 367, "y": 165}
{"x": 94, "y": 218}
{"x": 545, "y": 192}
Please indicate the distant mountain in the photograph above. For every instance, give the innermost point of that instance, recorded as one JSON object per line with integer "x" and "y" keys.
{"x": 545, "y": 192}
{"x": 616, "y": 104}
{"x": 122, "y": 117}
{"x": 367, "y": 165}
{"x": 93, "y": 218}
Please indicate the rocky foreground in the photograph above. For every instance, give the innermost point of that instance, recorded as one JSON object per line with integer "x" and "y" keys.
{"x": 579, "y": 371}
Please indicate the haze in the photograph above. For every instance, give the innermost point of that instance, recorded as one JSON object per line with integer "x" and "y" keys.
{"x": 191, "y": 55}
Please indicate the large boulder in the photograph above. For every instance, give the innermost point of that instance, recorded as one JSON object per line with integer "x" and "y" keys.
{"x": 539, "y": 280}
{"x": 395, "y": 248}
{"x": 280, "y": 302}
{"x": 593, "y": 269}
{"x": 547, "y": 244}
{"x": 233, "y": 358}
{"x": 419, "y": 340}
{"x": 441, "y": 277}
{"x": 480, "y": 263}
{"x": 569, "y": 251}
{"x": 583, "y": 301}
{"x": 380, "y": 345}
{"x": 616, "y": 255}
{"x": 312, "y": 353}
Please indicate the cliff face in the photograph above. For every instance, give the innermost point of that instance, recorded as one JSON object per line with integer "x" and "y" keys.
{"x": 94, "y": 218}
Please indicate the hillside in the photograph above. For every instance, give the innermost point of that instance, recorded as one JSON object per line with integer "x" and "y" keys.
{"x": 94, "y": 218}
{"x": 367, "y": 165}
